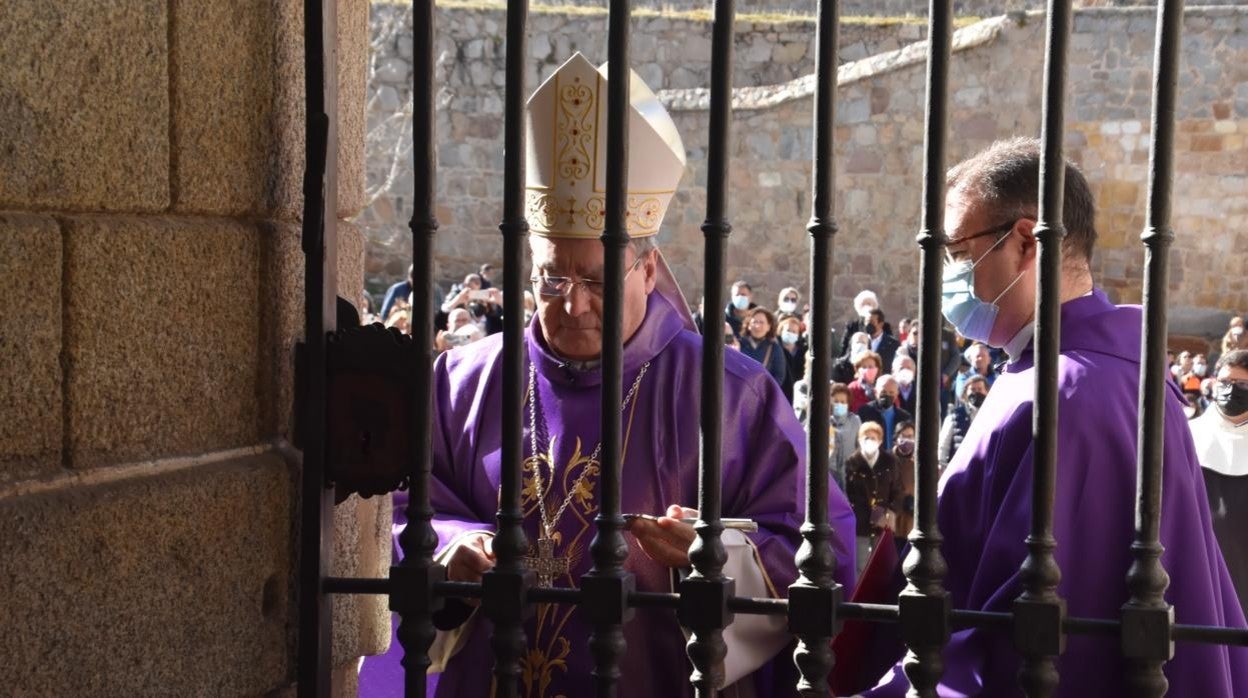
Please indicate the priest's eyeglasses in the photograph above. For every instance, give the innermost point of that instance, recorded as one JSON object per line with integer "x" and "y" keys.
{"x": 561, "y": 286}
{"x": 955, "y": 256}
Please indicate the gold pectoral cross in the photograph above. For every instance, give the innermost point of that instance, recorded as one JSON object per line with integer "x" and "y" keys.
{"x": 545, "y": 563}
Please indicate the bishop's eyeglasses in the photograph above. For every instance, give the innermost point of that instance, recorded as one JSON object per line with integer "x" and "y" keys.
{"x": 561, "y": 286}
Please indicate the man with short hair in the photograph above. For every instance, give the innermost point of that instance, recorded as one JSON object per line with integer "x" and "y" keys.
{"x": 989, "y": 295}
{"x": 740, "y": 303}
{"x": 763, "y": 452}
{"x": 903, "y": 371}
{"x": 486, "y": 273}
{"x": 1221, "y": 438}
{"x": 882, "y": 340}
{"x": 883, "y": 410}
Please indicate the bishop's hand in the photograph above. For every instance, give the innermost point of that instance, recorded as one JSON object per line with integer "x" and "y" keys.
{"x": 666, "y": 540}
{"x": 473, "y": 556}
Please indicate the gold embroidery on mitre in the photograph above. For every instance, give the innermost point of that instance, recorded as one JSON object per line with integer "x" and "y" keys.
{"x": 575, "y": 130}
{"x": 565, "y": 166}
{"x": 549, "y": 211}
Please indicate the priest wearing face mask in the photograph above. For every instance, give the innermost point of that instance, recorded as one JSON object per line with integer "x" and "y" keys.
{"x": 985, "y": 492}
{"x": 763, "y": 450}
{"x": 1221, "y": 436}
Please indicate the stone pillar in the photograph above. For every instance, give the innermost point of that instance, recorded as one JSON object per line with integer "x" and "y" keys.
{"x": 151, "y": 277}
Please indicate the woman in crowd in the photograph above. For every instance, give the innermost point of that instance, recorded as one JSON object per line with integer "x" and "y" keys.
{"x": 794, "y": 344}
{"x": 864, "y": 303}
{"x": 787, "y": 303}
{"x": 759, "y": 343}
{"x": 903, "y": 449}
{"x": 843, "y": 366}
{"x": 843, "y": 432}
{"x": 862, "y": 389}
{"x": 1235, "y": 338}
{"x": 873, "y": 487}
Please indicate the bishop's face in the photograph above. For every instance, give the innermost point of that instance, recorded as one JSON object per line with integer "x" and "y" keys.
{"x": 572, "y": 323}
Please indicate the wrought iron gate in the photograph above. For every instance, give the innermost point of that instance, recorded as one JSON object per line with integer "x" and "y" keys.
{"x": 706, "y": 603}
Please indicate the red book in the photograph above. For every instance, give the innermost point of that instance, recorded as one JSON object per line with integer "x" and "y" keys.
{"x": 852, "y": 645}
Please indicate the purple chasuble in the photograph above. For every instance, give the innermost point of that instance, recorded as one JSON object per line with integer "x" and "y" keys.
{"x": 763, "y": 470}
{"x": 985, "y": 507}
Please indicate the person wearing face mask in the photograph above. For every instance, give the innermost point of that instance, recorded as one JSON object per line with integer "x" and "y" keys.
{"x": 903, "y": 449}
{"x": 864, "y": 303}
{"x": 907, "y": 395}
{"x": 1221, "y": 438}
{"x": 883, "y": 409}
{"x": 787, "y": 302}
{"x": 843, "y": 367}
{"x": 882, "y": 340}
{"x": 862, "y": 388}
{"x": 845, "y": 426}
{"x": 873, "y": 486}
{"x": 1190, "y": 381}
{"x": 951, "y": 361}
{"x": 989, "y": 293}
{"x": 958, "y": 421}
{"x": 793, "y": 342}
{"x": 979, "y": 363}
{"x": 740, "y": 303}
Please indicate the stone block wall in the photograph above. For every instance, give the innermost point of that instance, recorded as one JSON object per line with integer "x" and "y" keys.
{"x": 150, "y": 188}
{"x": 996, "y": 76}
{"x": 881, "y": 8}
{"x": 670, "y": 52}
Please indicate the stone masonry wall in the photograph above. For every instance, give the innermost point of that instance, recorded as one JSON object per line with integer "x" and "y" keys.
{"x": 996, "y": 84}
{"x": 669, "y": 53}
{"x": 151, "y": 159}
{"x": 883, "y": 8}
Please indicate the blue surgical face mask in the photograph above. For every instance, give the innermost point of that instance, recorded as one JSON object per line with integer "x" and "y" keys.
{"x": 741, "y": 302}
{"x": 789, "y": 337}
{"x": 972, "y": 317}
{"x": 840, "y": 409}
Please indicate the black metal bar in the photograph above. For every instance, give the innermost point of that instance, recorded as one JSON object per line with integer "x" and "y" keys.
{"x": 1039, "y": 611}
{"x": 1213, "y": 636}
{"x": 704, "y": 594}
{"x": 320, "y": 316}
{"x": 759, "y": 606}
{"x": 414, "y": 597}
{"x": 505, "y": 587}
{"x": 1146, "y": 617}
{"x": 815, "y": 596}
{"x": 1090, "y": 626}
{"x": 607, "y": 585}
{"x": 924, "y": 604}
{"x": 870, "y": 612}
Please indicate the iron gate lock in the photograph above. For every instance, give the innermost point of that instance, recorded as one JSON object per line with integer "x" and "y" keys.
{"x": 370, "y": 386}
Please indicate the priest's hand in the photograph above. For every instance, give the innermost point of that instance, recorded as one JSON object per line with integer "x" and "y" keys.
{"x": 471, "y": 558}
{"x": 666, "y": 540}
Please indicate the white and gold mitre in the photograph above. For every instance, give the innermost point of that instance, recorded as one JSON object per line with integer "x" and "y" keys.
{"x": 566, "y": 178}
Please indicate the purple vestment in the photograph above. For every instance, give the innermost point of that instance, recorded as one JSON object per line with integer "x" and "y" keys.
{"x": 763, "y": 471}
{"x": 985, "y": 508}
